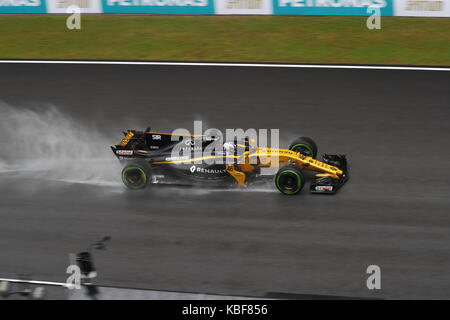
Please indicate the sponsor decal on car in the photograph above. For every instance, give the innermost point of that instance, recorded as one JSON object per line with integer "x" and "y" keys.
{"x": 124, "y": 152}
{"x": 127, "y": 139}
{"x": 324, "y": 188}
{"x": 197, "y": 148}
{"x": 205, "y": 170}
{"x": 157, "y": 178}
{"x": 177, "y": 158}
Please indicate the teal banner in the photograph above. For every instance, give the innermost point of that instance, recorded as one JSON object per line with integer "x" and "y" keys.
{"x": 159, "y": 6}
{"x": 22, "y": 6}
{"x": 332, "y": 7}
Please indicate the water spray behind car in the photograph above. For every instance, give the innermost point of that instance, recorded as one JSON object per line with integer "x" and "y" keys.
{"x": 44, "y": 143}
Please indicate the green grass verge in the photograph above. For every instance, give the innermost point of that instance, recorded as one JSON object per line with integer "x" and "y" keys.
{"x": 293, "y": 39}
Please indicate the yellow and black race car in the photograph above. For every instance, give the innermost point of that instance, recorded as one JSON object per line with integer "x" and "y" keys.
{"x": 158, "y": 157}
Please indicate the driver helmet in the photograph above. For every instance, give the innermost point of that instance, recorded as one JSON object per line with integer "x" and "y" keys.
{"x": 229, "y": 147}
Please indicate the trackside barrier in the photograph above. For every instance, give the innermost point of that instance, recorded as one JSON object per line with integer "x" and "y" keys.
{"x": 412, "y": 8}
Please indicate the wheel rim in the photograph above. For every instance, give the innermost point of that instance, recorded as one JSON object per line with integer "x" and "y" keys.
{"x": 303, "y": 149}
{"x": 289, "y": 182}
{"x": 134, "y": 177}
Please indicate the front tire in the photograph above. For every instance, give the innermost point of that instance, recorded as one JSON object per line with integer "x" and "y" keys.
{"x": 289, "y": 180}
{"x": 136, "y": 175}
{"x": 304, "y": 145}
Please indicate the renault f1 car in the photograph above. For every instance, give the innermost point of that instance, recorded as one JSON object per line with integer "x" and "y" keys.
{"x": 148, "y": 157}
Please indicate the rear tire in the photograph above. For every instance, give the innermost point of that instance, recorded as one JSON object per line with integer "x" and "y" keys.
{"x": 136, "y": 175}
{"x": 304, "y": 145}
{"x": 289, "y": 180}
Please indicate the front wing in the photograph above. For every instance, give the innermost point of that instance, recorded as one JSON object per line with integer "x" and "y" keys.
{"x": 329, "y": 185}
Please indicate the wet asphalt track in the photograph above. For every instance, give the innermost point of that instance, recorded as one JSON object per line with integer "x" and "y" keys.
{"x": 394, "y": 212}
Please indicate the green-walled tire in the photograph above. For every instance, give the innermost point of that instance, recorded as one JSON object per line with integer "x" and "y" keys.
{"x": 289, "y": 180}
{"x": 305, "y": 146}
{"x": 136, "y": 175}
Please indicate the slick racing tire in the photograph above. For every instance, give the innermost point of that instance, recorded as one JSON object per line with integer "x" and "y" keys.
{"x": 305, "y": 146}
{"x": 136, "y": 175}
{"x": 289, "y": 180}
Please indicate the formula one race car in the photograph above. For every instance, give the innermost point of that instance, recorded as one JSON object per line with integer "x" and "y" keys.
{"x": 154, "y": 157}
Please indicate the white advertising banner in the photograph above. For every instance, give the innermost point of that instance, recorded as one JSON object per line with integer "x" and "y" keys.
{"x": 86, "y": 6}
{"x": 243, "y": 6}
{"x": 422, "y": 8}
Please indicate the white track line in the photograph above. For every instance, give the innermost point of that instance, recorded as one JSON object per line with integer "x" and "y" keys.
{"x": 220, "y": 64}
{"x": 49, "y": 283}
{"x": 171, "y": 295}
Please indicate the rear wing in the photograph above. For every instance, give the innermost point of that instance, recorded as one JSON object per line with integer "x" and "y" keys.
{"x": 132, "y": 140}
{"x": 128, "y": 136}
{"x": 143, "y": 142}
